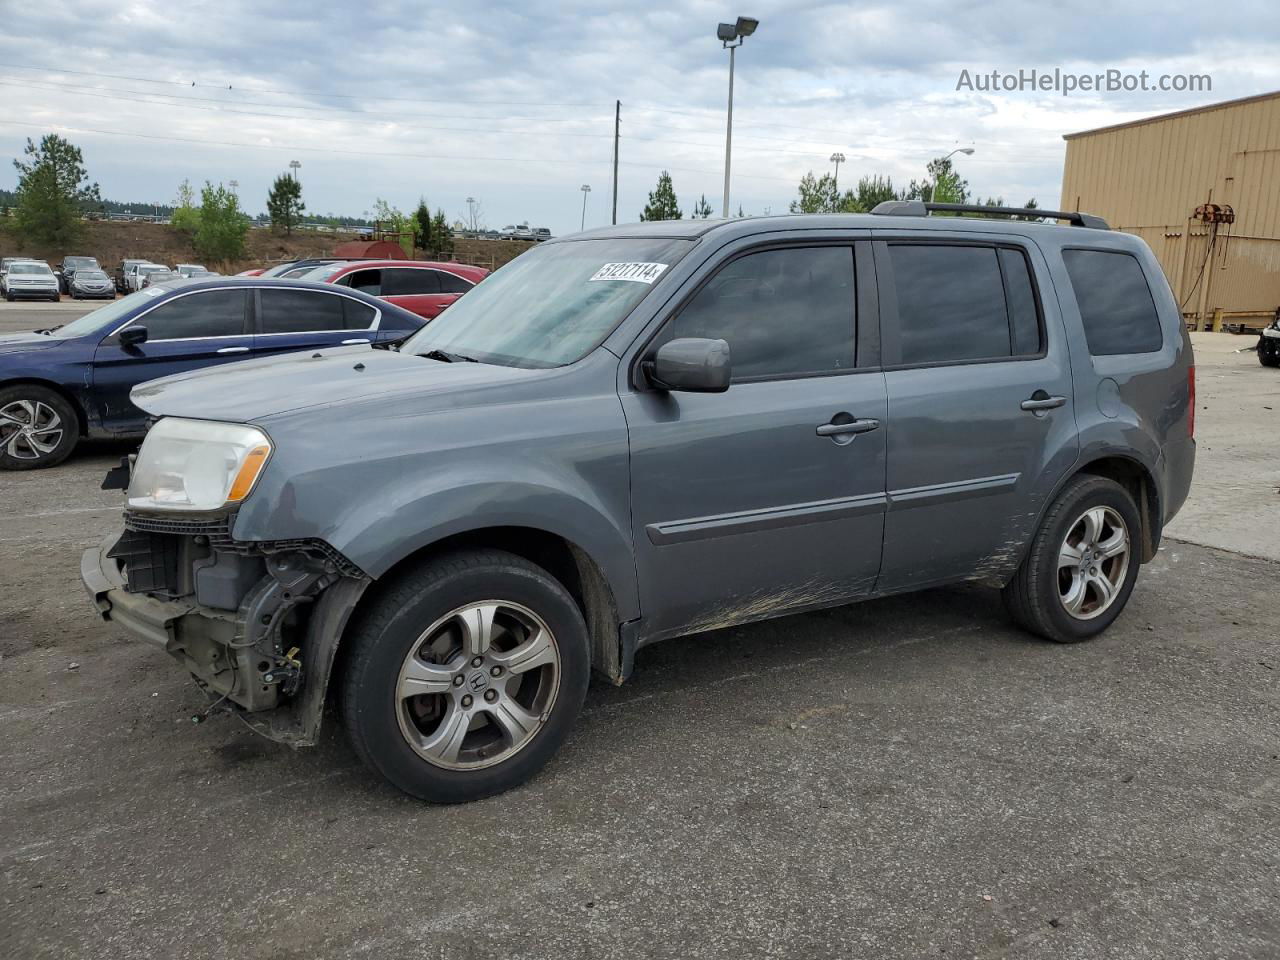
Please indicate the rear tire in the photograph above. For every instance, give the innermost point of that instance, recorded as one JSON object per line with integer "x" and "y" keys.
{"x": 1267, "y": 361}
{"x": 498, "y": 700}
{"x": 57, "y": 428}
{"x": 1082, "y": 564}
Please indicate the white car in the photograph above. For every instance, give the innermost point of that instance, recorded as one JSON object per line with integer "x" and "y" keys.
{"x": 29, "y": 280}
{"x": 189, "y": 270}
{"x": 135, "y": 279}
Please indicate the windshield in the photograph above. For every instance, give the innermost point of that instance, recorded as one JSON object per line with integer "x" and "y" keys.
{"x": 552, "y": 305}
{"x": 323, "y": 273}
{"x": 280, "y": 269}
{"x": 38, "y": 268}
{"x": 76, "y": 262}
{"x": 105, "y": 316}
{"x": 83, "y": 274}
{"x": 145, "y": 268}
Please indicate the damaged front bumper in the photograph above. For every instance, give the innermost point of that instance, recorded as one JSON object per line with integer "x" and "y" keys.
{"x": 257, "y": 625}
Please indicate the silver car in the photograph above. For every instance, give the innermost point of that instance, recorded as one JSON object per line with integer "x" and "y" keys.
{"x": 136, "y": 278}
{"x": 91, "y": 285}
{"x": 29, "y": 280}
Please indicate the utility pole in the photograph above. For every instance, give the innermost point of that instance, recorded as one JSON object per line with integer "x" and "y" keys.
{"x": 837, "y": 159}
{"x": 586, "y": 188}
{"x": 617, "y": 130}
{"x": 293, "y": 166}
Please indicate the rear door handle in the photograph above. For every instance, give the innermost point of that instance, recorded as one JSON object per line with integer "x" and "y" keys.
{"x": 842, "y": 429}
{"x": 234, "y": 350}
{"x": 1042, "y": 401}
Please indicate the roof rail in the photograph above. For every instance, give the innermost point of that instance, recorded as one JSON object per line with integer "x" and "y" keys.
{"x": 918, "y": 208}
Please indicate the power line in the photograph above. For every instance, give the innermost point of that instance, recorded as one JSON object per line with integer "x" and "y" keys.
{"x": 293, "y": 93}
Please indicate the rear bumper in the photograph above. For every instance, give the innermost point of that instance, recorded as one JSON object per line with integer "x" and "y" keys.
{"x": 1179, "y": 465}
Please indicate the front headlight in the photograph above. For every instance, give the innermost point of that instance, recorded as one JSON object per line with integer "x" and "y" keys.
{"x": 197, "y": 465}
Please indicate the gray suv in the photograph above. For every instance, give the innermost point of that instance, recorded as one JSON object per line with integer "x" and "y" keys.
{"x": 644, "y": 432}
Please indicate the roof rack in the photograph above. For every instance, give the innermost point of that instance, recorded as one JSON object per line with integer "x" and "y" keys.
{"x": 918, "y": 208}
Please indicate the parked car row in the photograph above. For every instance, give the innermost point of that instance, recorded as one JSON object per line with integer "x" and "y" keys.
{"x": 132, "y": 275}
{"x": 521, "y": 231}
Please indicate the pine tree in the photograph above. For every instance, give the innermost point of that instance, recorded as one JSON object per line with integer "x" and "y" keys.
{"x": 53, "y": 190}
{"x": 701, "y": 209}
{"x": 284, "y": 203}
{"x": 662, "y": 203}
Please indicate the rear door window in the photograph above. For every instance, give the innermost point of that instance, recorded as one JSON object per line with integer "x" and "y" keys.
{"x": 959, "y": 302}
{"x": 452, "y": 283}
{"x": 408, "y": 281}
{"x": 1115, "y": 302}
{"x": 300, "y": 311}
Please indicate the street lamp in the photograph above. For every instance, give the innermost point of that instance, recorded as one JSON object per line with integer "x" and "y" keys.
{"x": 235, "y": 185}
{"x": 837, "y": 159}
{"x": 294, "y": 165}
{"x": 585, "y": 188}
{"x": 967, "y": 151}
{"x": 727, "y": 34}
{"x": 471, "y": 213}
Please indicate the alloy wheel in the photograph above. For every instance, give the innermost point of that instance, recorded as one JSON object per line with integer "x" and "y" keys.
{"x": 1093, "y": 562}
{"x": 29, "y": 429}
{"x": 477, "y": 685}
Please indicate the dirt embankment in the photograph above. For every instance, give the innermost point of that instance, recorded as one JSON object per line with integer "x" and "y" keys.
{"x": 111, "y": 242}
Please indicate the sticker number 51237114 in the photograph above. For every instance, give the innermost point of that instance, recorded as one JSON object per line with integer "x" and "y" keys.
{"x": 637, "y": 272}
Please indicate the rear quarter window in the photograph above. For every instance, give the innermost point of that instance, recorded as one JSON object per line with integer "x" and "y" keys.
{"x": 1115, "y": 302}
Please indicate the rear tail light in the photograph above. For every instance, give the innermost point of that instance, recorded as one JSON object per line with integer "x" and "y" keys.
{"x": 1191, "y": 401}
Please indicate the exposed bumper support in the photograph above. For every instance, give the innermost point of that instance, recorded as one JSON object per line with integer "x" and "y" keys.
{"x": 144, "y": 617}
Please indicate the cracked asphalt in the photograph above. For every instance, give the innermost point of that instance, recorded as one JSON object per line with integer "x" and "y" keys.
{"x": 909, "y": 777}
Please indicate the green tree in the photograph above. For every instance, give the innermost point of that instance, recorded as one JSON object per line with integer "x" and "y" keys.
{"x": 701, "y": 209}
{"x": 999, "y": 202}
{"x": 422, "y": 225}
{"x": 442, "y": 236}
{"x": 284, "y": 203}
{"x": 186, "y": 215}
{"x": 662, "y": 203}
{"x": 53, "y": 190}
{"x": 943, "y": 184}
{"x": 395, "y": 221}
{"x": 870, "y": 191}
{"x": 223, "y": 226}
{"x": 817, "y": 194}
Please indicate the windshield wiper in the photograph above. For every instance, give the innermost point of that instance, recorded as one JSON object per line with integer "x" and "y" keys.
{"x": 49, "y": 331}
{"x": 446, "y": 357}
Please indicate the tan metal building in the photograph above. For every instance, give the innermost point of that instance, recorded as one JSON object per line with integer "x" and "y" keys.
{"x": 1202, "y": 187}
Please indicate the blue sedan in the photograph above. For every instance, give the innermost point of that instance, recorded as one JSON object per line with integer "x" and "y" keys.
{"x": 73, "y": 381}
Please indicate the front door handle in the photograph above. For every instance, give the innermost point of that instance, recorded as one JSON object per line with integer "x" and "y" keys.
{"x": 1042, "y": 401}
{"x": 234, "y": 350}
{"x": 843, "y": 429}
{"x": 347, "y": 343}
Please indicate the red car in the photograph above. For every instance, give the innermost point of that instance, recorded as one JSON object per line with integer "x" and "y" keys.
{"x": 422, "y": 286}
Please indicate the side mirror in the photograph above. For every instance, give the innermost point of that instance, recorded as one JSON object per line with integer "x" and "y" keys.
{"x": 132, "y": 336}
{"x": 691, "y": 364}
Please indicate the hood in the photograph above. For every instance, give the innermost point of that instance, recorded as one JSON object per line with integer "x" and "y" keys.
{"x": 22, "y": 342}
{"x": 258, "y": 389}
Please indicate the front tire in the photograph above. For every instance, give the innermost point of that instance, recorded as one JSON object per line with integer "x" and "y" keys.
{"x": 38, "y": 428}
{"x": 465, "y": 676}
{"x": 1267, "y": 360}
{"x": 1082, "y": 565}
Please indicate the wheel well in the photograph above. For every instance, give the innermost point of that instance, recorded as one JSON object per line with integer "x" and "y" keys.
{"x": 60, "y": 391}
{"x": 565, "y": 561}
{"x": 1135, "y": 478}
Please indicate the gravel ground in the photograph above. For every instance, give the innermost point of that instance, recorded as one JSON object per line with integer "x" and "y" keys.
{"x": 908, "y": 777}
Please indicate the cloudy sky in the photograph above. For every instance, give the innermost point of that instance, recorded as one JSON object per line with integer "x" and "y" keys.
{"x": 512, "y": 102}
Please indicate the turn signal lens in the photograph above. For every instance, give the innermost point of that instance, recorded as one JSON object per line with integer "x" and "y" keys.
{"x": 1191, "y": 401}
{"x": 248, "y": 473}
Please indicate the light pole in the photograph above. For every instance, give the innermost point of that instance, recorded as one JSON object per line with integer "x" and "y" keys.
{"x": 471, "y": 212}
{"x": 294, "y": 165}
{"x": 235, "y": 185}
{"x": 837, "y": 159}
{"x": 728, "y": 33}
{"x": 967, "y": 151}
{"x": 585, "y": 188}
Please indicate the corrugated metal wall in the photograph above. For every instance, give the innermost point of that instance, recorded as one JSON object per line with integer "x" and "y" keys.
{"x": 1147, "y": 178}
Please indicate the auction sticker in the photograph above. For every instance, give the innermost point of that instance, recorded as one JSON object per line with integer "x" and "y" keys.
{"x": 637, "y": 272}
